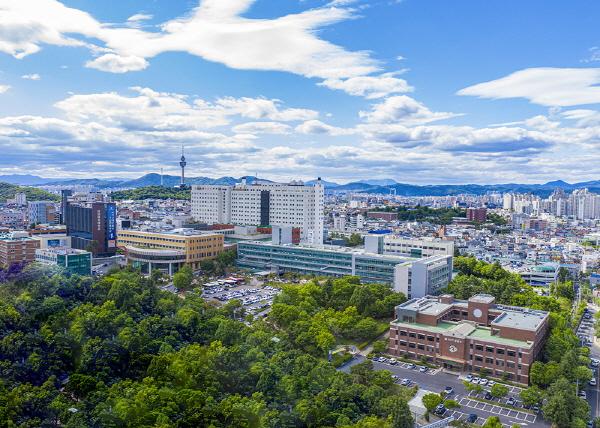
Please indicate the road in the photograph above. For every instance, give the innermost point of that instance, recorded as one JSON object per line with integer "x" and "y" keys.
{"x": 440, "y": 380}
{"x": 593, "y": 392}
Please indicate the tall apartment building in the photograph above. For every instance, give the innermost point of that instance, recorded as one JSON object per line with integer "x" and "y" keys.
{"x": 169, "y": 251}
{"x": 421, "y": 276}
{"x": 478, "y": 215}
{"x": 17, "y": 247}
{"x": 475, "y": 335}
{"x": 91, "y": 226}
{"x": 293, "y": 204}
{"x": 41, "y": 212}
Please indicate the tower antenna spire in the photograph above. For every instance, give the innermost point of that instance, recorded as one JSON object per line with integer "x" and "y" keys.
{"x": 182, "y": 164}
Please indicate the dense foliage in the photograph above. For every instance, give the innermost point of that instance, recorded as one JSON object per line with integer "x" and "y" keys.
{"x": 434, "y": 215}
{"x": 152, "y": 192}
{"x": 8, "y": 191}
{"x": 118, "y": 352}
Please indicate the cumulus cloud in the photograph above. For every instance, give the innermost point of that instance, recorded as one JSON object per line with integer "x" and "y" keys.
{"x": 370, "y": 86}
{"x": 33, "y": 76}
{"x": 262, "y": 128}
{"x": 403, "y": 109}
{"x": 4, "y": 88}
{"x": 214, "y": 30}
{"x": 561, "y": 87}
{"x": 114, "y": 63}
{"x": 319, "y": 128}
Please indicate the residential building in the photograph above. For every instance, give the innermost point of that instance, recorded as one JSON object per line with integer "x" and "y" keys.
{"x": 402, "y": 273}
{"x": 478, "y": 215}
{"x": 169, "y": 251}
{"x": 17, "y": 247}
{"x": 474, "y": 336}
{"x": 263, "y": 204}
{"x": 383, "y": 215}
{"x": 75, "y": 261}
{"x": 541, "y": 275}
{"x": 41, "y": 212}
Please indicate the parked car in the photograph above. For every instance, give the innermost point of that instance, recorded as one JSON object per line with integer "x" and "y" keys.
{"x": 593, "y": 381}
{"x": 491, "y": 383}
{"x": 393, "y": 361}
{"x": 411, "y": 366}
{"x": 405, "y": 382}
{"x": 475, "y": 380}
{"x": 472, "y": 418}
{"x": 488, "y": 396}
{"x": 511, "y": 401}
{"x": 469, "y": 377}
{"x": 440, "y": 409}
{"x": 483, "y": 381}
{"x": 535, "y": 408}
{"x": 449, "y": 390}
{"x": 582, "y": 394}
{"x": 423, "y": 369}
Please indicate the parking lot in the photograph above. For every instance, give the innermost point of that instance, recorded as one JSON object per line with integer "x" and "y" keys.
{"x": 408, "y": 366}
{"x": 498, "y": 410}
{"x": 256, "y": 298}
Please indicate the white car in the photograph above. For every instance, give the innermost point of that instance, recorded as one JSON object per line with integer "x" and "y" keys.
{"x": 582, "y": 394}
{"x": 483, "y": 381}
{"x": 475, "y": 380}
{"x": 491, "y": 383}
{"x": 593, "y": 381}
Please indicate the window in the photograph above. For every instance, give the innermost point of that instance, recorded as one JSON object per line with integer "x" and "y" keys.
{"x": 411, "y": 345}
{"x": 422, "y": 347}
{"x": 479, "y": 347}
{"x": 412, "y": 335}
{"x": 500, "y": 351}
{"x": 478, "y": 358}
{"x": 402, "y": 333}
{"x": 489, "y": 349}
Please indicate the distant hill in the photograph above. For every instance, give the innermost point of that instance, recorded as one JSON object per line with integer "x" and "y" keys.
{"x": 23, "y": 179}
{"x": 151, "y": 192}
{"x": 8, "y": 191}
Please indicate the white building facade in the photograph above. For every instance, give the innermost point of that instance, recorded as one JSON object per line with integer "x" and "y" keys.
{"x": 293, "y": 204}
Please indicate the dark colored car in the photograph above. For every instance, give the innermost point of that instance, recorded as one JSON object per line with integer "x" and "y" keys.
{"x": 472, "y": 418}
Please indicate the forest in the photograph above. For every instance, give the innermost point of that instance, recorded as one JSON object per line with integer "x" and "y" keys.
{"x": 119, "y": 352}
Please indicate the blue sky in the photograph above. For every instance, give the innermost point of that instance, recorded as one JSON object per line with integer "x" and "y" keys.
{"x": 420, "y": 91}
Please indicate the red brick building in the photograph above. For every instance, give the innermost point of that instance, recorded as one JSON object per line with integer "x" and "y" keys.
{"x": 383, "y": 215}
{"x": 478, "y": 215}
{"x": 17, "y": 247}
{"x": 475, "y": 335}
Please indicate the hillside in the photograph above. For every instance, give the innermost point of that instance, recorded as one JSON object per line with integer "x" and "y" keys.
{"x": 151, "y": 192}
{"x": 8, "y": 191}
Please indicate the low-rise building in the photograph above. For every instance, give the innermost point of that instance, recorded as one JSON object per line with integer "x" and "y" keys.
{"x": 169, "y": 251}
{"x": 17, "y": 247}
{"x": 405, "y": 274}
{"x": 475, "y": 335}
{"x": 75, "y": 261}
{"x": 417, "y": 247}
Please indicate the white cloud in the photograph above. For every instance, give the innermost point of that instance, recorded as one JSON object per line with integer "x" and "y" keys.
{"x": 262, "y": 128}
{"x": 262, "y": 108}
{"x": 114, "y": 63}
{"x": 214, "y": 31}
{"x": 319, "y": 128}
{"x": 594, "y": 55}
{"x": 403, "y": 109}
{"x": 139, "y": 17}
{"x": 370, "y": 86}
{"x": 545, "y": 86}
{"x": 33, "y": 76}
{"x": 4, "y": 88}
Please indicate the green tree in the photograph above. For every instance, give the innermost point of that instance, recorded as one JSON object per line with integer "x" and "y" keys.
{"x": 183, "y": 278}
{"x": 431, "y": 401}
{"x": 401, "y": 414}
{"x": 498, "y": 390}
{"x": 492, "y": 422}
{"x": 532, "y": 395}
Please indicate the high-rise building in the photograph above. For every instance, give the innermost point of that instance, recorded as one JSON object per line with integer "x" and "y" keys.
{"x": 294, "y": 204}
{"x": 478, "y": 215}
{"x": 41, "y": 212}
{"x": 91, "y": 226}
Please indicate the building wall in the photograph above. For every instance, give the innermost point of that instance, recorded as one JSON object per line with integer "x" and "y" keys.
{"x": 17, "y": 250}
{"x": 417, "y": 247}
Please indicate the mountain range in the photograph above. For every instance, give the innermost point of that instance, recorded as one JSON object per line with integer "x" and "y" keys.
{"x": 376, "y": 186}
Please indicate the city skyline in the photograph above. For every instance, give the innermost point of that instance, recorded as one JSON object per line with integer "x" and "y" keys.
{"x": 421, "y": 92}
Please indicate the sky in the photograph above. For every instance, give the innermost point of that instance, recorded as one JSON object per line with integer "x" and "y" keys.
{"x": 421, "y": 91}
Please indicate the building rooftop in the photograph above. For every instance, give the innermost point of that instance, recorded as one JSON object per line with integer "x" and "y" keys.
{"x": 525, "y": 319}
{"x": 482, "y": 298}
{"x": 426, "y": 305}
{"x": 62, "y": 251}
